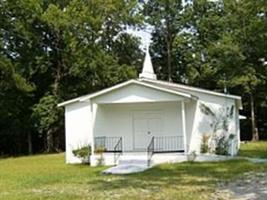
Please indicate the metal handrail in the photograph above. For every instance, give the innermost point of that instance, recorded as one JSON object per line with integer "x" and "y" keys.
{"x": 168, "y": 144}
{"x": 117, "y": 150}
{"x": 107, "y": 144}
{"x": 150, "y": 151}
{"x": 163, "y": 144}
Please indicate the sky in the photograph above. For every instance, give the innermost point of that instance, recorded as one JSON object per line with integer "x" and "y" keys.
{"x": 145, "y": 36}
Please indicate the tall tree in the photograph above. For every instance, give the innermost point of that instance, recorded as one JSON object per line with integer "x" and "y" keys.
{"x": 232, "y": 38}
{"x": 165, "y": 17}
{"x": 65, "y": 49}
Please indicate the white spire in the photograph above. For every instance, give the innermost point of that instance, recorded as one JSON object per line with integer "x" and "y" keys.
{"x": 148, "y": 71}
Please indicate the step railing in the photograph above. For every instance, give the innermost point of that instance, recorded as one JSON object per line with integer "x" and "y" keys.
{"x": 109, "y": 144}
{"x": 118, "y": 150}
{"x": 150, "y": 151}
{"x": 164, "y": 144}
{"x": 106, "y": 144}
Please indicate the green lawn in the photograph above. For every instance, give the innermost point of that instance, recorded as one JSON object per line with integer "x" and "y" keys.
{"x": 47, "y": 177}
{"x": 254, "y": 149}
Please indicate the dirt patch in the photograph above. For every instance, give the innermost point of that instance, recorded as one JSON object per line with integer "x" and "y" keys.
{"x": 252, "y": 186}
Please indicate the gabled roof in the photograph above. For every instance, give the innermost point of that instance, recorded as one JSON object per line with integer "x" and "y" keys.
{"x": 177, "y": 86}
{"x": 172, "y": 88}
{"x": 182, "y": 87}
{"x": 138, "y": 82}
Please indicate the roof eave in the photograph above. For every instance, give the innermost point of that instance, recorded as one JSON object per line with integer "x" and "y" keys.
{"x": 104, "y": 91}
{"x": 192, "y": 88}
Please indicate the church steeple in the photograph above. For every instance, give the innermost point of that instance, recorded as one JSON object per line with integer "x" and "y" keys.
{"x": 148, "y": 71}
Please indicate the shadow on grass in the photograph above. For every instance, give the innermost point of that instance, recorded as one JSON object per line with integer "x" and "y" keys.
{"x": 6, "y": 156}
{"x": 177, "y": 175}
{"x": 253, "y": 153}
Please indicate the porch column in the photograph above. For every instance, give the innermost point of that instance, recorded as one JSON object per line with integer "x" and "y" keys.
{"x": 93, "y": 110}
{"x": 184, "y": 125}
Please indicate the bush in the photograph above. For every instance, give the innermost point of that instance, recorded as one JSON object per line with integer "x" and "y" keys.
{"x": 222, "y": 146}
{"x": 83, "y": 152}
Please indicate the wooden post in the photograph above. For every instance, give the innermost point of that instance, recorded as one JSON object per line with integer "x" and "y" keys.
{"x": 184, "y": 125}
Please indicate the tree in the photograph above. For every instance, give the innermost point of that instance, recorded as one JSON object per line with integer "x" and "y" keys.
{"x": 65, "y": 49}
{"x": 232, "y": 38}
{"x": 246, "y": 21}
{"x": 165, "y": 16}
{"x": 13, "y": 90}
{"x": 218, "y": 45}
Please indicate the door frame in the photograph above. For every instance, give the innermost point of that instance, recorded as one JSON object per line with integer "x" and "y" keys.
{"x": 160, "y": 111}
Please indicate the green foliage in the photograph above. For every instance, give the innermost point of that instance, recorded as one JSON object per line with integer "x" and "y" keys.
{"x": 46, "y": 113}
{"x": 167, "y": 20}
{"x": 69, "y": 48}
{"x": 254, "y": 149}
{"x": 222, "y": 146}
{"x": 15, "y": 92}
{"x": 223, "y": 143}
{"x": 83, "y": 152}
{"x": 57, "y": 50}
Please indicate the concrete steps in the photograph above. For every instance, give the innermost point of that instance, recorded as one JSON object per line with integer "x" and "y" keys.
{"x": 134, "y": 162}
{"x": 125, "y": 169}
{"x": 128, "y": 159}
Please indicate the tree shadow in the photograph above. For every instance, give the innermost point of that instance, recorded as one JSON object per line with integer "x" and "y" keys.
{"x": 254, "y": 153}
{"x": 176, "y": 175}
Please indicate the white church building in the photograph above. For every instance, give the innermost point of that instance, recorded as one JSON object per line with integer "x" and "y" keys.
{"x": 150, "y": 118}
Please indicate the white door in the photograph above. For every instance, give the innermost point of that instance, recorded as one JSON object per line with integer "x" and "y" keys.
{"x": 146, "y": 125}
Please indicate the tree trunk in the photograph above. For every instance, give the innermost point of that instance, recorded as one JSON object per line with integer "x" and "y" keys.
{"x": 29, "y": 138}
{"x": 169, "y": 44}
{"x": 49, "y": 141}
{"x": 169, "y": 61}
{"x": 255, "y": 134}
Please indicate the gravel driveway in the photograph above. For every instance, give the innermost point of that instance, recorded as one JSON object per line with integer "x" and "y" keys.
{"x": 252, "y": 186}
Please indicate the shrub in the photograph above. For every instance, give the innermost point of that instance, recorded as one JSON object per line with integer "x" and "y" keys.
{"x": 100, "y": 150}
{"x": 223, "y": 145}
{"x": 100, "y": 160}
{"x": 83, "y": 153}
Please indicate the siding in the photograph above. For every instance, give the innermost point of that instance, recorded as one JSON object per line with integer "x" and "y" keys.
{"x": 77, "y": 128}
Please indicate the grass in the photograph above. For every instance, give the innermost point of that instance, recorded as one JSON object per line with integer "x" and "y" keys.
{"x": 254, "y": 149}
{"x": 47, "y": 177}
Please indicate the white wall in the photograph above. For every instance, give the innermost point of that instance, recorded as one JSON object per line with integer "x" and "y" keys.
{"x": 77, "y": 128}
{"x": 191, "y": 120}
{"x": 114, "y": 117}
{"x": 202, "y": 123}
{"x": 117, "y": 120}
{"x": 136, "y": 94}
